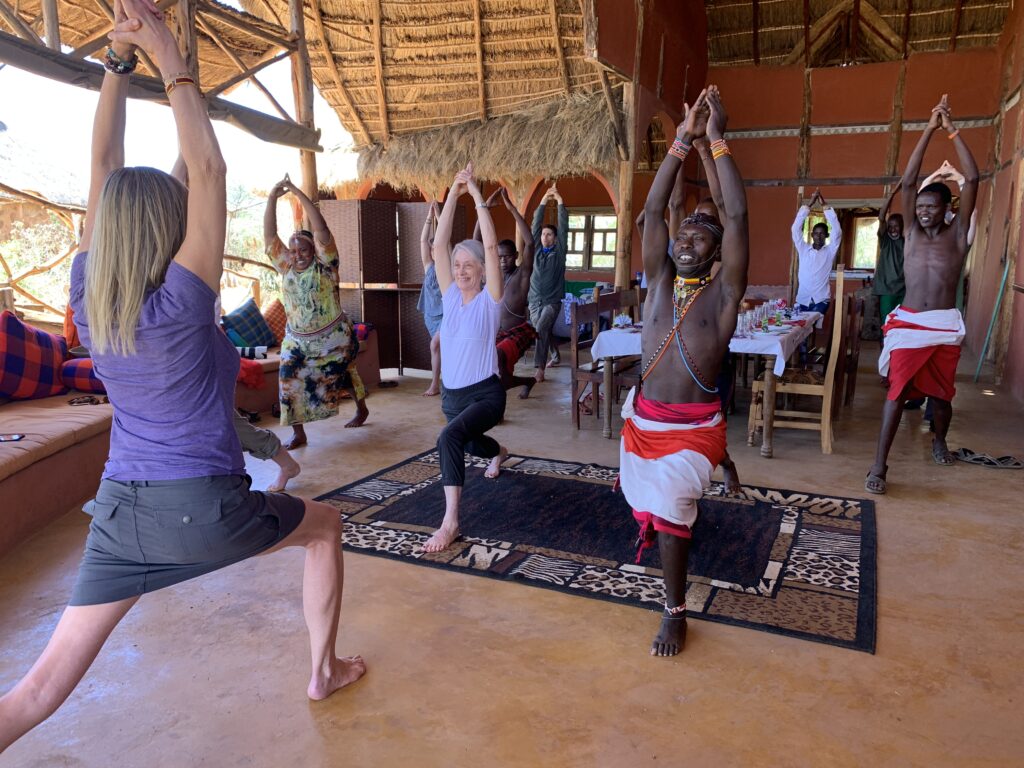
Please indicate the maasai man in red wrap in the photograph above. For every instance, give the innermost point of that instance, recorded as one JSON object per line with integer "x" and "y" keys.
{"x": 674, "y": 434}
{"x": 923, "y": 334}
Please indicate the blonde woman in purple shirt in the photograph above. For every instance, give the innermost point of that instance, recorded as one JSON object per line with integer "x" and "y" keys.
{"x": 174, "y": 501}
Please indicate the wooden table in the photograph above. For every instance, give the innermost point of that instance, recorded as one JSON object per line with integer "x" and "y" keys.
{"x": 622, "y": 342}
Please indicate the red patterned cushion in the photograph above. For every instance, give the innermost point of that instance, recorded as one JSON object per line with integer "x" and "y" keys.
{"x": 276, "y": 318}
{"x": 30, "y": 360}
{"x": 78, "y": 374}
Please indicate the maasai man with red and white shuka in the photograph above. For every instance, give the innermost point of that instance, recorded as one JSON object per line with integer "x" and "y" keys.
{"x": 923, "y": 334}
{"x": 515, "y": 334}
{"x": 674, "y": 434}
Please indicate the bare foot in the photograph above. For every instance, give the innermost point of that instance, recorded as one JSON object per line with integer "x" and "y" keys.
{"x": 940, "y": 453}
{"x": 526, "y": 389}
{"x": 731, "y": 478}
{"x": 361, "y": 413}
{"x": 494, "y": 468}
{"x": 297, "y": 440}
{"x": 343, "y": 672}
{"x": 288, "y": 468}
{"x": 539, "y": 376}
{"x": 671, "y": 636}
{"x": 441, "y": 540}
{"x": 432, "y": 391}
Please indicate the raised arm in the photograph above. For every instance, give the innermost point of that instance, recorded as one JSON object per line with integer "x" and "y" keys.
{"x": 676, "y": 202}
{"x": 272, "y": 245}
{"x": 969, "y": 189}
{"x": 655, "y": 233}
{"x": 492, "y": 267}
{"x": 538, "y": 216}
{"x": 526, "y": 257}
{"x": 735, "y": 239}
{"x": 108, "y": 128}
{"x": 563, "y": 223}
{"x": 202, "y": 251}
{"x": 321, "y": 232}
{"x": 442, "y": 251}
{"x": 797, "y": 230}
{"x": 711, "y": 171}
{"x": 491, "y": 202}
{"x": 835, "y": 231}
{"x": 425, "y": 250}
{"x": 883, "y": 212}
{"x": 909, "y": 181}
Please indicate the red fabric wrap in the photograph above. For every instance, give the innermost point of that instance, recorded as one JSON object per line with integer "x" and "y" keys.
{"x": 709, "y": 441}
{"x": 923, "y": 372}
{"x": 513, "y": 344}
{"x": 250, "y": 374}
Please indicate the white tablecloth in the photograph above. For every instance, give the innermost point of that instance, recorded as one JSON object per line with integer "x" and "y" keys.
{"x": 620, "y": 343}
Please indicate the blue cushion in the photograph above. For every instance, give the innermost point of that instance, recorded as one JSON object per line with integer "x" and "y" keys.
{"x": 248, "y": 323}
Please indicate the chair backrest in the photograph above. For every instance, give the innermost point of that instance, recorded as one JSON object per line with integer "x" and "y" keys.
{"x": 854, "y": 325}
{"x": 837, "y": 343}
{"x": 580, "y": 314}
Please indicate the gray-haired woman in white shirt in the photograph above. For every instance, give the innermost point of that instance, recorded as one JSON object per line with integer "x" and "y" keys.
{"x": 472, "y": 397}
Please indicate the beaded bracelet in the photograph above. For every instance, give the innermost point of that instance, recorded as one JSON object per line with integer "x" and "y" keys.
{"x": 173, "y": 83}
{"x": 954, "y": 134}
{"x": 118, "y": 66}
{"x": 719, "y": 149}
{"x": 680, "y": 149}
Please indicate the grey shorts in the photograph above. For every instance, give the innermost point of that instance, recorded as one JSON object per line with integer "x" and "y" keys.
{"x": 147, "y": 535}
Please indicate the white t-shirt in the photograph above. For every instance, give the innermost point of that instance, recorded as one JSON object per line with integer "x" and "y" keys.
{"x": 468, "y": 351}
{"x": 815, "y": 265}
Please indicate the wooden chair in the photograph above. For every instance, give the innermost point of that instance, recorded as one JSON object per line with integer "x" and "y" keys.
{"x": 584, "y": 374}
{"x": 626, "y": 372}
{"x": 854, "y": 325}
{"x": 796, "y": 381}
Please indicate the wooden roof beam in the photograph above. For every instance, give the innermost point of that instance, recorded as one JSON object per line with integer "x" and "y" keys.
{"x": 64, "y": 68}
{"x": 815, "y": 36}
{"x": 51, "y": 22}
{"x": 478, "y": 35}
{"x": 332, "y": 66}
{"x": 756, "y": 31}
{"x": 807, "y": 34}
{"x": 872, "y": 20}
{"x": 906, "y": 28}
{"x": 956, "y": 25}
{"x": 378, "y": 63}
{"x": 284, "y": 40}
{"x": 614, "y": 115}
{"x": 248, "y": 72}
{"x": 17, "y": 24}
{"x": 557, "y": 32}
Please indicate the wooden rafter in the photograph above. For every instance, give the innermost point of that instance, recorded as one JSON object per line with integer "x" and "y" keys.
{"x": 17, "y": 24}
{"x": 478, "y": 35}
{"x": 755, "y": 11}
{"x": 855, "y": 31}
{"x": 332, "y": 66}
{"x": 906, "y": 27}
{"x": 100, "y": 39}
{"x": 817, "y": 33}
{"x": 880, "y": 29}
{"x": 956, "y": 25}
{"x": 51, "y": 22}
{"x": 557, "y": 32}
{"x": 244, "y": 26}
{"x": 248, "y": 72}
{"x": 615, "y": 116}
{"x": 185, "y": 33}
{"x": 807, "y": 33}
{"x": 378, "y": 62}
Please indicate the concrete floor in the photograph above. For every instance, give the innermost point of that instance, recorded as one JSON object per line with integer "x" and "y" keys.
{"x": 467, "y": 671}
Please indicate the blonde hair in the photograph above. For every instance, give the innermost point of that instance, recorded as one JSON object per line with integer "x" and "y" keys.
{"x": 140, "y": 225}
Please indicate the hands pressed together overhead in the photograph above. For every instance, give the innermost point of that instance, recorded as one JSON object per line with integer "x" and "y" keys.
{"x": 139, "y": 24}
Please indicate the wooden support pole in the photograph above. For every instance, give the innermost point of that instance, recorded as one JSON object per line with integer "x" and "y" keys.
{"x": 896, "y": 126}
{"x": 302, "y": 82}
{"x": 378, "y": 62}
{"x": 956, "y": 25}
{"x": 332, "y": 65}
{"x": 627, "y": 167}
{"x": 804, "y": 157}
{"x": 906, "y": 27}
{"x": 807, "y": 34}
{"x": 557, "y": 32}
{"x": 51, "y": 22}
{"x": 478, "y": 36}
{"x": 185, "y": 33}
{"x": 17, "y": 24}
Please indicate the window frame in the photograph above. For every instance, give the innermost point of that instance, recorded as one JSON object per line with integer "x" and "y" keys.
{"x": 590, "y": 213}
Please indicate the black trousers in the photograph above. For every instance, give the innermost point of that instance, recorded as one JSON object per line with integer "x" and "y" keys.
{"x": 470, "y": 411}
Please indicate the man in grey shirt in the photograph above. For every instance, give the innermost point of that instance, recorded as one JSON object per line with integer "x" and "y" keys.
{"x": 547, "y": 284}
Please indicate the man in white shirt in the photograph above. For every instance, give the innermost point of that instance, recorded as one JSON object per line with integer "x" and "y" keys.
{"x": 814, "y": 293}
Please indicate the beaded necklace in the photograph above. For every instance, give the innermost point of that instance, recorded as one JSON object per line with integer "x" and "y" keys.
{"x": 685, "y": 291}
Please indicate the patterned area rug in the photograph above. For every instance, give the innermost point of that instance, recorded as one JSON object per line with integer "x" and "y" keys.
{"x": 793, "y": 563}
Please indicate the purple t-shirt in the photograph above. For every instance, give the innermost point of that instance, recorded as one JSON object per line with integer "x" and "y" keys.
{"x": 174, "y": 398}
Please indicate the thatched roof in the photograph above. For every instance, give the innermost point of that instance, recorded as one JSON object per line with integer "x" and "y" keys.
{"x": 844, "y": 32}
{"x": 566, "y": 137}
{"x": 84, "y": 21}
{"x": 395, "y": 67}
